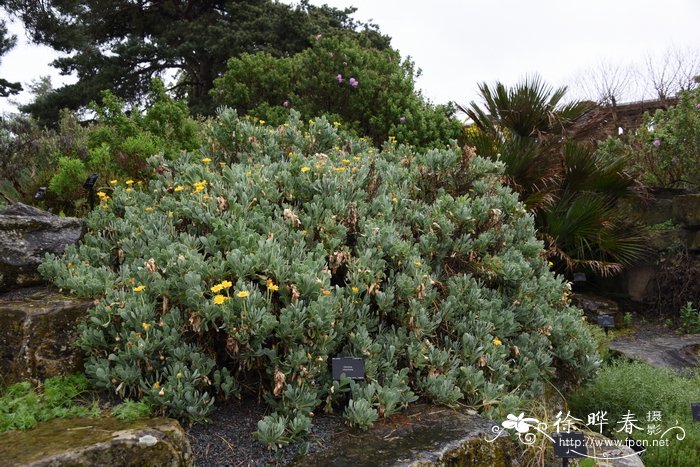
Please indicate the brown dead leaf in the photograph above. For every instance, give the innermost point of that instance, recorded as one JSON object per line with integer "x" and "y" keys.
{"x": 150, "y": 265}
{"x": 279, "y": 383}
{"x": 289, "y": 215}
{"x": 295, "y": 293}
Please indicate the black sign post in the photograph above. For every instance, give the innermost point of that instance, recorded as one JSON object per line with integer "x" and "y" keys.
{"x": 569, "y": 445}
{"x": 351, "y": 367}
{"x": 695, "y": 410}
{"x": 606, "y": 322}
{"x": 89, "y": 185}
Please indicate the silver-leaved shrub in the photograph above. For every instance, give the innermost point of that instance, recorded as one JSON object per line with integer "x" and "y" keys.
{"x": 247, "y": 266}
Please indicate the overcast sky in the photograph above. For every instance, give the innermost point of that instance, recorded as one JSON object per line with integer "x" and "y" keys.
{"x": 458, "y": 44}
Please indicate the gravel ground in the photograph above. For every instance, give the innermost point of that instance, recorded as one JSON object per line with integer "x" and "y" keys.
{"x": 228, "y": 440}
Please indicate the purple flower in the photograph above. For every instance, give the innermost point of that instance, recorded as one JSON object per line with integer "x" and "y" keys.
{"x": 353, "y": 82}
{"x": 657, "y": 142}
{"x": 402, "y": 120}
{"x": 697, "y": 106}
{"x": 339, "y": 78}
{"x": 285, "y": 104}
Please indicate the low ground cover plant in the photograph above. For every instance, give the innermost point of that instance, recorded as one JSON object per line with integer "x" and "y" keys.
{"x": 22, "y": 406}
{"x": 657, "y": 399}
{"x": 244, "y": 268}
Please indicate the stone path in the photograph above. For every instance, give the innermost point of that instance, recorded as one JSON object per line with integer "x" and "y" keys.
{"x": 660, "y": 347}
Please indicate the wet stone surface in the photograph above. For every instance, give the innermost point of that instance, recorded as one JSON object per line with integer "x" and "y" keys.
{"x": 98, "y": 442}
{"x": 422, "y": 435}
{"x": 660, "y": 348}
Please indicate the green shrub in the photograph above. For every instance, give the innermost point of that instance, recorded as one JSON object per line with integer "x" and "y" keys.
{"x": 253, "y": 263}
{"x": 665, "y": 150}
{"x": 369, "y": 90}
{"x": 642, "y": 389}
{"x": 22, "y": 407}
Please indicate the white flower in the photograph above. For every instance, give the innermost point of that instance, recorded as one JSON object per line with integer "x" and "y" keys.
{"x": 520, "y": 423}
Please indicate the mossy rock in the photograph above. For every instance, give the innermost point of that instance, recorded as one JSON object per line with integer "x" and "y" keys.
{"x": 686, "y": 210}
{"x": 98, "y": 442}
{"x": 37, "y": 330}
{"x": 423, "y": 435}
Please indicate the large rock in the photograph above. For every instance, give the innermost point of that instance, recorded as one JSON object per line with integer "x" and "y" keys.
{"x": 26, "y": 235}
{"x": 662, "y": 351}
{"x": 686, "y": 210}
{"x": 420, "y": 436}
{"x": 37, "y": 331}
{"x": 97, "y": 442}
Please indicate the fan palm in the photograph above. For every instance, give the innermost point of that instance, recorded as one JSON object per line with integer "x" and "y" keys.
{"x": 571, "y": 191}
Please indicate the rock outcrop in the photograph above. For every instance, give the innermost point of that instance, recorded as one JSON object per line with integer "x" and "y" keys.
{"x": 98, "y": 442}
{"x": 26, "y": 235}
{"x": 37, "y": 329}
{"x": 421, "y": 436}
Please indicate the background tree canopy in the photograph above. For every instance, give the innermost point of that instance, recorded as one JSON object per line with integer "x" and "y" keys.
{"x": 6, "y": 43}
{"x": 121, "y": 45}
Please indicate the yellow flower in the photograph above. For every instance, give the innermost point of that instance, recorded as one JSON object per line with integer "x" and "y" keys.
{"x": 305, "y": 169}
{"x": 325, "y": 292}
{"x": 417, "y": 264}
{"x": 114, "y": 182}
{"x": 140, "y": 288}
{"x": 219, "y": 299}
{"x": 346, "y": 161}
{"x": 146, "y": 326}
{"x": 357, "y": 158}
{"x": 262, "y": 122}
{"x": 148, "y": 209}
{"x": 216, "y": 288}
{"x": 336, "y": 123}
{"x": 179, "y": 188}
{"x": 339, "y": 169}
{"x": 394, "y": 200}
{"x": 128, "y": 190}
{"x": 497, "y": 341}
{"x": 226, "y": 284}
{"x": 206, "y": 160}
{"x": 354, "y": 289}
{"x": 243, "y": 294}
{"x": 129, "y": 182}
{"x": 170, "y": 214}
{"x": 156, "y": 385}
{"x": 272, "y": 286}
{"x": 178, "y": 375}
{"x": 102, "y": 194}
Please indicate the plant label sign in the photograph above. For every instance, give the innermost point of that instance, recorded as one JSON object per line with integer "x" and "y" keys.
{"x": 352, "y": 367}
{"x": 695, "y": 409}
{"x": 606, "y": 321}
{"x": 569, "y": 445}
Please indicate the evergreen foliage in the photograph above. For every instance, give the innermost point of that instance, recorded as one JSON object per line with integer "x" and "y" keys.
{"x": 572, "y": 191}
{"x": 120, "y": 45}
{"x": 248, "y": 265}
{"x": 368, "y": 89}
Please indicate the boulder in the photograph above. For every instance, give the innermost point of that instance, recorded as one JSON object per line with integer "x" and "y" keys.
{"x": 26, "y": 235}
{"x": 595, "y": 306}
{"x": 98, "y": 442}
{"x": 422, "y": 435}
{"x": 686, "y": 210}
{"x": 662, "y": 351}
{"x": 37, "y": 329}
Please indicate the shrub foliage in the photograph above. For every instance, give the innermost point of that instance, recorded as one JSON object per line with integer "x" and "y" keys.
{"x": 246, "y": 267}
